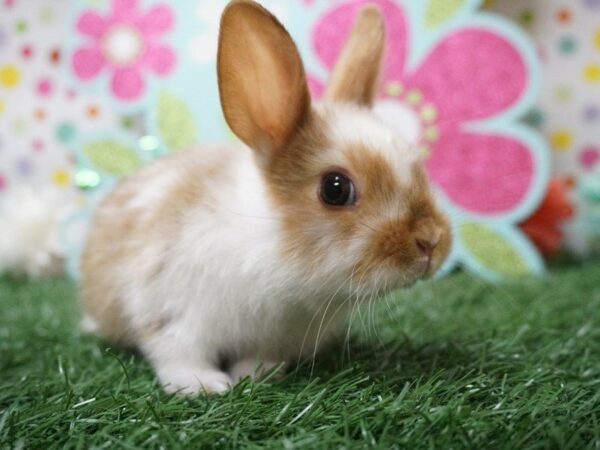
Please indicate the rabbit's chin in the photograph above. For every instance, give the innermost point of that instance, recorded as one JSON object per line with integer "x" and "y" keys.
{"x": 386, "y": 279}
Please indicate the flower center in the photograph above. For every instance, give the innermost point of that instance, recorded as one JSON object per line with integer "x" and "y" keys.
{"x": 409, "y": 116}
{"x": 123, "y": 45}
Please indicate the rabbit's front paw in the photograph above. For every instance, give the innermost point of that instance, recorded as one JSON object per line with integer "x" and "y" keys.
{"x": 190, "y": 381}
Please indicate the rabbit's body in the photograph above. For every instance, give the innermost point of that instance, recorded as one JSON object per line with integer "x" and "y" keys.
{"x": 219, "y": 260}
{"x": 223, "y": 273}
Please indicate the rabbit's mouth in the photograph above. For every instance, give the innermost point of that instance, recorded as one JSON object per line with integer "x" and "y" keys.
{"x": 424, "y": 267}
{"x": 388, "y": 279}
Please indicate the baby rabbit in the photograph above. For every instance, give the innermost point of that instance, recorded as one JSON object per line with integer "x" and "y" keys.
{"x": 220, "y": 260}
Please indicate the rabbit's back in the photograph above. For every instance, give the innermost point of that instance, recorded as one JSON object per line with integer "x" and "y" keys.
{"x": 136, "y": 224}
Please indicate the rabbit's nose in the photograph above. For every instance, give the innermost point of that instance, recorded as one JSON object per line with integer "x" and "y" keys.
{"x": 426, "y": 246}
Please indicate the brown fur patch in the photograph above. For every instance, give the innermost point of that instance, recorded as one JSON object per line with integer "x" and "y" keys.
{"x": 395, "y": 244}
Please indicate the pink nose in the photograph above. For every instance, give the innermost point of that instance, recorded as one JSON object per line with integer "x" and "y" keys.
{"x": 426, "y": 247}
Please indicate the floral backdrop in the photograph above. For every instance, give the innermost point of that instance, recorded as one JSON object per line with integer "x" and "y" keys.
{"x": 567, "y": 112}
{"x": 92, "y": 89}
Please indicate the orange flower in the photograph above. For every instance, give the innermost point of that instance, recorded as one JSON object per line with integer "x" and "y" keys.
{"x": 544, "y": 226}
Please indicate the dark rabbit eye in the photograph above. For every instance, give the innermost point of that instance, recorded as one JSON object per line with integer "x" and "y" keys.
{"x": 337, "y": 190}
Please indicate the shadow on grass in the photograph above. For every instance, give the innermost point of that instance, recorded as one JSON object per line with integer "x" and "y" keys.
{"x": 393, "y": 364}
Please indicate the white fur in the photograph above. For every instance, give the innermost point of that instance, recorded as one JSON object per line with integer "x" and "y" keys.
{"x": 401, "y": 118}
{"x": 29, "y": 224}
{"x": 162, "y": 181}
{"x": 351, "y": 125}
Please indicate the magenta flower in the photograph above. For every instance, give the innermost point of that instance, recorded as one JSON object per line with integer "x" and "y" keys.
{"x": 471, "y": 74}
{"x": 125, "y": 42}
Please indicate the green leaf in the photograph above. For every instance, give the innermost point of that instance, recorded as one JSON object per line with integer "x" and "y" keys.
{"x": 176, "y": 122}
{"x": 112, "y": 157}
{"x": 439, "y": 11}
{"x": 492, "y": 250}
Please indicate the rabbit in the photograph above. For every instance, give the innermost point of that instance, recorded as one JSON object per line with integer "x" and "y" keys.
{"x": 223, "y": 262}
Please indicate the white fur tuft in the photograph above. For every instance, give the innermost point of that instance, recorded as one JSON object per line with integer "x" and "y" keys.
{"x": 352, "y": 125}
{"x": 29, "y": 243}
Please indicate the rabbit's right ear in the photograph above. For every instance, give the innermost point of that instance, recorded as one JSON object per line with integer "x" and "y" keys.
{"x": 262, "y": 83}
{"x": 355, "y": 77}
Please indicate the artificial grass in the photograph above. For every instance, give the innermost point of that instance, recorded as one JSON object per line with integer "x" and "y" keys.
{"x": 453, "y": 364}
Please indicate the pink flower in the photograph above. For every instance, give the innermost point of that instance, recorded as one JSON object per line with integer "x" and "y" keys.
{"x": 125, "y": 42}
{"x": 471, "y": 74}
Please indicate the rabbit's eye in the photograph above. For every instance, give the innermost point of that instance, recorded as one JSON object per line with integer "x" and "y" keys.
{"x": 337, "y": 190}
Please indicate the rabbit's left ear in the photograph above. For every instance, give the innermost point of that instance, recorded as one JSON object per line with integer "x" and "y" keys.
{"x": 355, "y": 78}
{"x": 262, "y": 84}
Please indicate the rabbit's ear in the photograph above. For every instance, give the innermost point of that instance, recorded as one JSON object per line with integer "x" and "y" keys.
{"x": 356, "y": 75}
{"x": 262, "y": 83}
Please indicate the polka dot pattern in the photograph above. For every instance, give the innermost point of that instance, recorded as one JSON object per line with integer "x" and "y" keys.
{"x": 563, "y": 94}
{"x": 24, "y": 167}
{"x": 568, "y": 36}
{"x": 591, "y": 113}
{"x": 591, "y": 73}
{"x": 54, "y": 56}
{"x": 592, "y": 4}
{"x": 526, "y": 17}
{"x": 535, "y": 118}
{"x": 37, "y": 145}
{"x": 564, "y": 15}
{"x": 567, "y": 45}
{"x": 42, "y": 117}
{"x": 44, "y": 87}
{"x": 39, "y": 114}
{"x": 93, "y": 111}
{"x": 65, "y": 132}
{"x": 561, "y": 140}
{"x": 589, "y": 157}
{"x": 567, "y": 32}
{"x": 61, "y": 177}
{"x": 21, "y": 26}
{"x": 10, "y": 76}
{"x": 26, "y": 51}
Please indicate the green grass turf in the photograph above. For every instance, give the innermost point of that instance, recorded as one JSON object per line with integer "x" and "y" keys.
{"x": 452, "y": 364}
